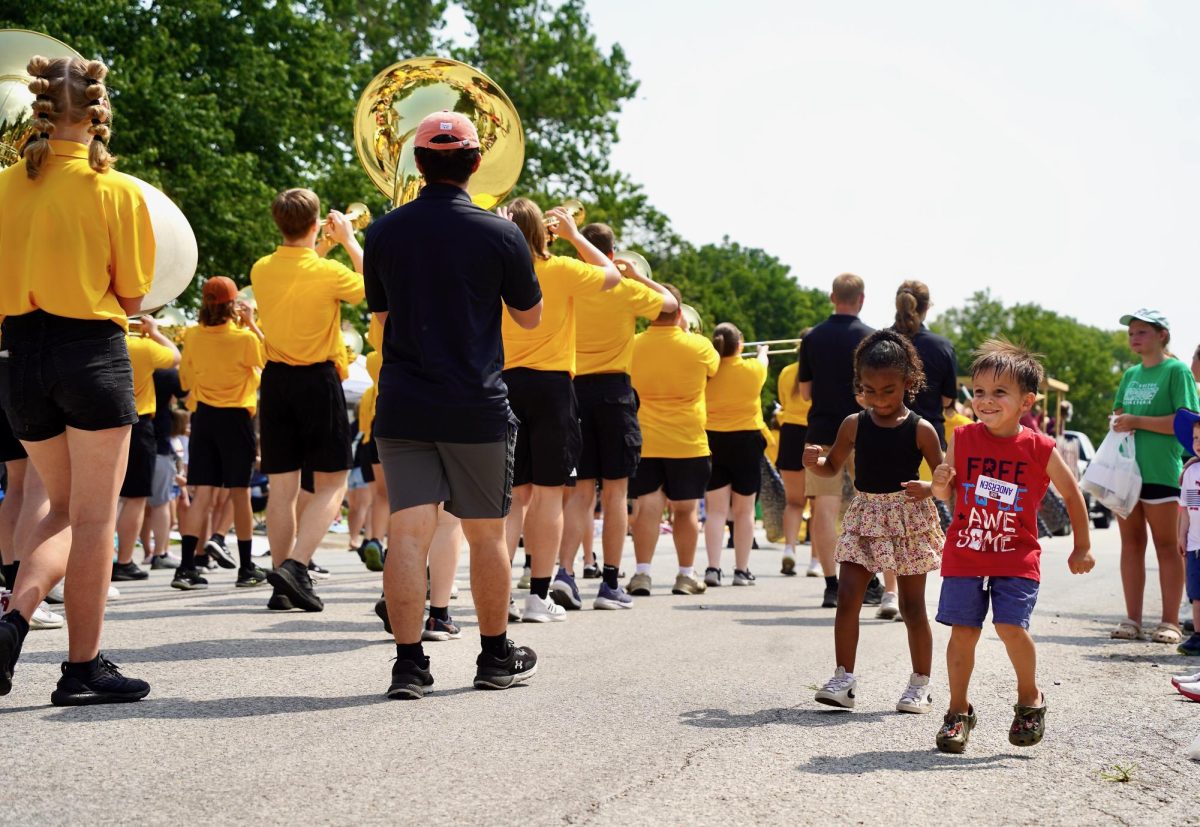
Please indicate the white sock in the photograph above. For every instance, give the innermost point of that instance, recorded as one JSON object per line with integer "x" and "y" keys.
{"x": 789, "y": 550}
{"x": 642, "y": 568}
{"x": 686, "y": 571}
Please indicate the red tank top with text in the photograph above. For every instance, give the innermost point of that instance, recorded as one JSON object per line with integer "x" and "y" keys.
{"x": 999, "y": 484}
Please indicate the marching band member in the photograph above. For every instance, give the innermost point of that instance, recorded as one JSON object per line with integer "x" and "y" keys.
{"x": 793, "y": 428}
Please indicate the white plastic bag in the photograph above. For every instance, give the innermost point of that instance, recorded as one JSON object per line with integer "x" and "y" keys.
{"x": 1112, "y": 477}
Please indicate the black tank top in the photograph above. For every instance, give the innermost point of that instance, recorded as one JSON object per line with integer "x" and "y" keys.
{"x": 886, "y": 458}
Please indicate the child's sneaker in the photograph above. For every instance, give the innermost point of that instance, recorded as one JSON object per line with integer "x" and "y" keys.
{"x": 889, "y": 607}
{"x": 838, "y": 690}
{"x": 1191, "y": 646}
{"x": 712, "y": 577}
{"x": 956, "y": 731}
{"x": 1180, "y": 680}
{"x": 917, "y": 697}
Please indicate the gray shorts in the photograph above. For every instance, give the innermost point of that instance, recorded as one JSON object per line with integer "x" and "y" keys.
{"x": 163, "y": 480}
{"x": 473, "y": 480}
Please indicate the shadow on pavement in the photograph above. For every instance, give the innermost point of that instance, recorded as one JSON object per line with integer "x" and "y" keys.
{"x": 903, "y": 760}
{"x": 826, "y": 621}
{"x": 247, "y": 707}
{"x": 271, "y": 647}
{"x": 737, "y": 607}
{"x": 724, "y": 719}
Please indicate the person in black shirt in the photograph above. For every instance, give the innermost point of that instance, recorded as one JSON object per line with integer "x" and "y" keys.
{"x": 157, "y": 526}
{"x": 826, "y": 377}
{"x": 437, "y": 271}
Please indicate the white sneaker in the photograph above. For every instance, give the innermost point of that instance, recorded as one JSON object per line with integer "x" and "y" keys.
{"x": 889, "y": 607}
{"x": 1180, "y": 680}
{"x": 917, "y": 697}
{"x": 838, "y": 690}
{"x": 814, "y": 569}
{"x": 454, "y": 590}
{"x": 542, "y": 610}
{"x": 514, "y": 612}
{"x": 43, "y": 618}
{"x": 712, "y": 577}
{"x": 56, "y": 595}
{"x": 113, "y": 593}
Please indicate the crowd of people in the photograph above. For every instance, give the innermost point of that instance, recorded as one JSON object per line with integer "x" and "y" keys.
{"x": 511, "y": 397}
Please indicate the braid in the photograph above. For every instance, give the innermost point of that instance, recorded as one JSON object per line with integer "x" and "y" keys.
{"x": 99, "y": 157}
{"x": 37, "y": 149}
{"x": 68, "y": 91}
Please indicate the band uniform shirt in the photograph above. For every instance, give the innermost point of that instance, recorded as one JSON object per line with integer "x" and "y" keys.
{"x": 73, "y": 240}
{"x": 827, "y": 360}
{"x": 733, "y": 397}
{"x": 221, "y": 366}
{"x": 145, "y": 357}
{"x": 551, "y": 345}
{"x": 442, "y": 269}
{"x": 941, "y": 377}
{"x": 671, "y": 369}
{"x": 299, "y": 296}
{"x": 605, "y": 324}
{"x": 793, "y": 407}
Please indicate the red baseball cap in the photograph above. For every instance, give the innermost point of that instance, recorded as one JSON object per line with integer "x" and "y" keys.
{"x": 220, "y": 289}
{"x": 454, "y": 124}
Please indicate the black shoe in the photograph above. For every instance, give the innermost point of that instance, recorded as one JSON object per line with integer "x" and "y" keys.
{"x": 162, "y": 561}
{"x": 251, "y": 577}
{"x": 1189, "y": 627}
{"x": 410, "y": 680}
{"x": 104, "y": 684}
{"x": 381, "y": 610}
{"x": 128, "y": 571}
{"x": 292, "y": 580}
{"x": 10, "y": 650}
{"x": 592, "y": 572}
{"x": 188, "y": 580}
{"x": 502, "y": 673}
{"x": 830, "y": 599}
{"x": 216, "y": 551}
{"x": 317, "y": 572}
{"x": 874, "y": 594}
{"x": 279, "y": 603}
{"x": 205, "y": 563}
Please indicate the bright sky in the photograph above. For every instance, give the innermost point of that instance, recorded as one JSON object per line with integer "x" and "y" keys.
{"x": 1047, "y": 150}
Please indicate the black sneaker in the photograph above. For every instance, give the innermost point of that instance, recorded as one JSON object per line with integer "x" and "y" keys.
{"x": 188, "y": 580}
{"x": 100, "y": 682}
{"x": 279, "y": 603}
{"x": 592, "y": 572}
{"x": 830, "y": 599}
{"x": 10, "y": 650}
{"x": 410, "y": 680}
{"x": 317, "y": 572}
{"x": 128, "y": 571}
{"x": 204, "y": 562}
{"x": 216, "y": 551}
{"x": 381, "y": 610}
{"x": 251, "y": 577}
{"x": 292, "y": 580}
{"x": 874, "y": 594}
{"x": 502, "y": 673}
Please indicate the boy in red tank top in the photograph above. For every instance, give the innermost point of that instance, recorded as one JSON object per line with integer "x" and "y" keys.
{"x": 994, "y": 478}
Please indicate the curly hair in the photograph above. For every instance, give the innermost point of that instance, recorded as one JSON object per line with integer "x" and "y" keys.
{"x": 889, "y": 350}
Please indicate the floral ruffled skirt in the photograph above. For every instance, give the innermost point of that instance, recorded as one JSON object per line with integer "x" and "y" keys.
{"x": 890, "y": 532}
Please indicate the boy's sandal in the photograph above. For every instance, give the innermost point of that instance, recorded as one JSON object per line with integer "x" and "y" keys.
{"x": 1126, "y": 630}
{"x": 1167, "y": 633}
{"x": 1029, "y": 724}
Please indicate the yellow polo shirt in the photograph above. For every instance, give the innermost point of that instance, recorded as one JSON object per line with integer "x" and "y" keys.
{"x": 72, "y": 240}
{"x": 670, "y": 371}
{"x": 793, "y": 407}
{"x": 551, "y": 345}
{"x": 220, "y": 366}
{"x": 605, "y": 325}
{"x": 146, "y": 356}
{"x": 299, "y": 297}
{"x": 733, "y": 396}
{"x": 955, "y": 420}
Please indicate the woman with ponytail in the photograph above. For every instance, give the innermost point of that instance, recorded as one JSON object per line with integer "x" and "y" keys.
{"x": 78, "y": 252}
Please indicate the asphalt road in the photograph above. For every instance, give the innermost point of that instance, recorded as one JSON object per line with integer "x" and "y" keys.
{"x": 684, "y": 710}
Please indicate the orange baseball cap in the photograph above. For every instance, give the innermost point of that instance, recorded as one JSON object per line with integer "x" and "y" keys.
{"x": 453, "y": 124}
{"x": 220, "y": 289}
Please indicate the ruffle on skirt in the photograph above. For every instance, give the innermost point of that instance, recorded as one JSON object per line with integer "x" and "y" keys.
{"x": 890, "y": 532}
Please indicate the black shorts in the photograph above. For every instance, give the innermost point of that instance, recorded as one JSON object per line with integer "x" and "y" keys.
{"x": 302, "y": 418}
{"x": 67, "y": 373}
{"x": 1153, "y": 493}
{"x": 143, "y": 456}
{"x": 366, "y": 456}
{"x": 222, "y": 449}
{"x": 548, "y": 434}
{"x": 791, "y": 447}
{"x": 611, "y": 440}
{"x": 735, "y": 460}
{"x": 10, "y": 447}
{"x": 680, "y": 479}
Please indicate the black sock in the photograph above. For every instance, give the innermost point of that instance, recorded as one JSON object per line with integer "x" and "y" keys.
{"x": 528, "y": 562}
{"x": 10, "y": 574}
{"x": 411, "y": 651}
{"x": 188, "y": 558}
{"x": 494, "y": 645}
{"x": 539, "y": 586}
{"x": 219, "y": 539}
{"x": 440, "y": 612}
{"x": 82, "y": 670}
{"x": 14, "y": 617}
{"x": 610, "y": 576}
{"x": 244, "y": 549}
{"x": 831, "y": 582}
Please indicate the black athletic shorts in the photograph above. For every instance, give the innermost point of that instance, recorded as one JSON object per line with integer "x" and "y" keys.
{"x": 307, "y": 480}
{"x": 67, "y": 372}
{"x": 222, "y": 450}
{"x": 680, "y": 479}
{"x": 302, "y": 419}
{"x": 547, "y": 447}
{"x": 791, "y": 447}
{"x": 143, "y": 456}
{"x": 366, "y": 456}
{"x": 611, "y": 440}
{"x": 10, "y": 447}
{"x": 735, "y": 460}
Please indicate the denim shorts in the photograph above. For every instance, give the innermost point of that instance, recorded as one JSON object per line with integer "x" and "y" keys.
{"x": 964, "y": 600}
{"x": 1193, "y": 575}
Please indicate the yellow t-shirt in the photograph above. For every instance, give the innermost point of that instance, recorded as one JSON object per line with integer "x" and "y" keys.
{"x": 147, "y": 356}
{"x": 955, "y": 420}
{"x": 793, "y": 407}
{"x": 72, "y": 240}
{"x": 366, "y": 405}
{"x": 605, "y": 324}
{"x": 299, "y": 295}
{"x": 733, "y": 396}
{"x": 670, "y": 371}
{"x": 375, "y": 333}
{"x": 772, "y": 449}
{"x": 220, "y": 366}
{"x": 551, "y": 345}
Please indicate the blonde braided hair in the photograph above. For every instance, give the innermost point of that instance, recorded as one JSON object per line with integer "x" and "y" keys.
{"x": 68, "y": 90}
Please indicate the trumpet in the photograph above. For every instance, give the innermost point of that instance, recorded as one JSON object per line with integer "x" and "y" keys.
{"x": 357, "y": 213}
{"x": 574, "y": 208}
{"x": 795, "y": 343}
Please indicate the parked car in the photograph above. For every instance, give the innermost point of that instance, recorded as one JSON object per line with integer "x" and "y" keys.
{"x": 1101, "y": 517}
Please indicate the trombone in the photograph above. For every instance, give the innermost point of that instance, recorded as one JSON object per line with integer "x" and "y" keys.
{"x": 795, "y": 343}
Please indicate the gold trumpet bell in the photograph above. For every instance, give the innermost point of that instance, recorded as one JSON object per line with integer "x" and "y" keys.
{"x": 640, "y": 265}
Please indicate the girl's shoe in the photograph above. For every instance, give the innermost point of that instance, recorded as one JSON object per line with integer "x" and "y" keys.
{"x": 838, "y": 690}
{"x": 1167, "y": 633}
{"x": 1179, "y": 680}
{"x": 916, "y": 698}
{"x": 956, "y": 731}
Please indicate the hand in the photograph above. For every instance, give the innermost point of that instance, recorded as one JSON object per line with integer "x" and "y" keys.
{"x": 339, "y": 227}
{"x": 625, "y": 268}
{"x": 504, "y": 212}
{"x": 917, "y": 490}
{"x": 149, "y": 325}
{"x": 812, "y": 456}
{"x": 1123, "y": 423}
{"x": 943, "y": 476}
{"x": 761, "y": 351}
{"x": 245, "y": 313}
{"x": 1081, "y": 561}
{"x": 566, "y": 228}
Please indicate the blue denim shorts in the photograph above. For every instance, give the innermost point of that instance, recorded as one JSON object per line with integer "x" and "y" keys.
{"x": 964, "y": 600}
{"x": 1193, "y": 575}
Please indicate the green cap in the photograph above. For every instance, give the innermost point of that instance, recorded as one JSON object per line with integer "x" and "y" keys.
{"x": 1149, "y": 317}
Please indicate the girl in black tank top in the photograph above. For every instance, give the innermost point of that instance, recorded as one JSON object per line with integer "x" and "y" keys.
{"x": 891, "y": 524}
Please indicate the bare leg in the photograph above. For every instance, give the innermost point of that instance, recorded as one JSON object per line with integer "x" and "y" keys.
{"x": 514, "y": 524}
{"x": 1164, "y": 528}
{"x": 243, "y": 515}
{"x": 10, "y": 510}
{"x": 314, "y": 523}
{"x": 960, "y": 663}
{"x": 1023, "y": 654}
{"x": 491, "y": 580}
{"x": 646, "y": 525}
{"x": 360, "y": 509}
{"x": 193, "y": 521}
{"x": 793, "y": 511}
{"x": 822, "y": 529}
{"x": 616, "y": 521}
{"x": 579, "y": 504}
{"x": 544, "y": 527}
{"x": 1133, "y": 561}
{"x": 889, "y": 585}
{"x": 852, "y": 588}
{"x": 379, "y": 506}
{"x": 912, "y": 608}
{"x": 742, "y": 509}
{"x": 443, "y": 558}
{"x": 411, "y": 531}
{"x": 685, "y": 530}
{"x": 716, "y": 512}
{"x": 129, "y": 526}
{"x": 281, "y": 515}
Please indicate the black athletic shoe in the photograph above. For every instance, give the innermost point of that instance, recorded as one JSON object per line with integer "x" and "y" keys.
{"x": 217, "y": 552}
{"x": 830, "y": 599}
{"x": 10, "y": 650}
{"x": 410, "y": 680}
{"x": 104, "y": 685}
{"x": 293, "y": 581}
{"x": 188, "y": 580}
{"x": 381, "y": 610}
{"x": 279, "y": 603}
{"x": 251, "y": 577}
{"x": 874, "y": 593}
{"x": 501, "y": 673}
{"x": 592, "y": 572}
{"x": 128, "y": 571}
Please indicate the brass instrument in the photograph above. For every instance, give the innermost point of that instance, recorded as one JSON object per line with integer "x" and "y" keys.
{"x": 393, "y": 104}
{"x": 637, "y": 260}
{"x": 246, "y": 297}
{"x": 574, "y": 208}
{"x": 692, "y": 319}
{"x": 353, "y": 340}
{"x": 357, "y": 213}
{"x": 790, "y": 351}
